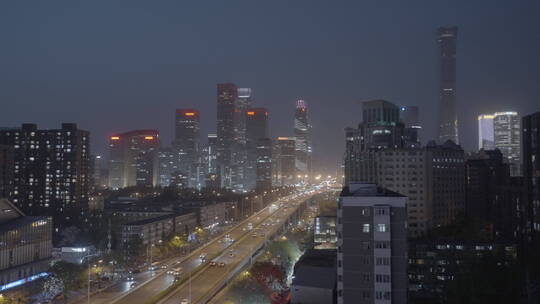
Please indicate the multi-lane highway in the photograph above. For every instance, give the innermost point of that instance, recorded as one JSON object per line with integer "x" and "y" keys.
{"x": 150, "y": 284}
{"x": 211, "y": 278}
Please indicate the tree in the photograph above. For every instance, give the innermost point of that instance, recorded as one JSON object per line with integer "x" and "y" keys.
{"x": 71, "y": 275}
{"x": 51, "y": 287}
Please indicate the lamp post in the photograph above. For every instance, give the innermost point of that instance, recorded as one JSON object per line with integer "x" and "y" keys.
{"x": 87, "y": 257}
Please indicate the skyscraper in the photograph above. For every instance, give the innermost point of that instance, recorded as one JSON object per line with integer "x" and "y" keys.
{"x": 285, "y": 161}
{"x": 302, "y": 134}
{"x": 256, "y": 130}
{"x": 409, "y": 117}
{"x": 372, "y": 245}
{"x": 51, "y": 169}
{"x": 486, "y": 138}
{"x": 507, "y": 134}
{"x": 227, "y": 94}
{"x": 448, "y": 121}
{"x": 186, "y": 142}
{"x": 242, "y": 104}
{"x": 380, "y": 129}
{"x": 167, "y": 166}
{"x": 133, "y": 159}
{"x": 531, "y": 173}
{"x": 264, "y": 164}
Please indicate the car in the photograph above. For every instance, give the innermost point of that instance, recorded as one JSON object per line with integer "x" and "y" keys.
{"x": 221, "y": 264}
{"x": 163, "y": 266}
{"x": 184, "y": 301}
{"x": 213, "y": 263}
{"x": 151, "y": 268}
{"x": 254, "y": 235}
{"x": 129, "y": 278}
{"x": 231, "y": 255}
{"x": 132, "y": 285}
{"x": 202, "y": 256}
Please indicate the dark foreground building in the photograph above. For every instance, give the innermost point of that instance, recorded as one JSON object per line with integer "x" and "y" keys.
{"x": 314, "y": 279}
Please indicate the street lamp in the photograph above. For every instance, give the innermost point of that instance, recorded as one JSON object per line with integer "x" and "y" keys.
{"x": 87, "y": 257}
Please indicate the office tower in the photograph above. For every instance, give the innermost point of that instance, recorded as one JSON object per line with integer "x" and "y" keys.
{"x": 95, "y": 171}
{"x": 487, "y": 177}
{"x": 302, "y": 133}
{"x": 432, "y": 177}
{"x": 372, "y": 245}
{"x": 531, "y": 174}
{"x": 212, "y": 153}
{"x": 51, "y": 170}
{"x": 264, "y": 164}
{"x": 187, "y": 141}
{"x": 227, "y": 94}
{"x": 243, "y": 103}
{"x": 380, "y": 129}
{"x": 133, "y": 159}
{"x": 256, "y": 129}
{"x": 448, "y": 121}
{"x": 409, "y": 117}
{"x": 7, "y": 168}
{"x": 486, "y": 137}
{"x": 286, "y": 161}
{"x": 167, "y": 165}
{"x": 507, "y": 133}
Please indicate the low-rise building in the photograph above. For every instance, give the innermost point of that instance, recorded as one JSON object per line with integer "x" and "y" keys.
{"x": 325, "y": 232}
{"x": 25, "y": 246}
{"x": 314, "y": 279}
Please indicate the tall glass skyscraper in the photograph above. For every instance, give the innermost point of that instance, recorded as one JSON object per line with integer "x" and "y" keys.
{"x": 227, "y": 94}
{"x": 507, "y": 133}
{"x": 302, "y": 133}
{"x": 486, "y": 139}
{"x": 448, "y": 121}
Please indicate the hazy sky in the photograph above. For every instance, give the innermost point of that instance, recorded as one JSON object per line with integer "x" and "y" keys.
{"x": 113, "y": 66}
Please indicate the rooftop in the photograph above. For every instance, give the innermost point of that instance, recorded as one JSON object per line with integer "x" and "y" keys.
{"x": 316, "y": 268}
{"x": 367, "y": 189}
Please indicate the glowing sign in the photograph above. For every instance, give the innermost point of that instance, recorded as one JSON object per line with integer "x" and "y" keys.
{"x": 189, "y": 113}
{"x": 250, "y": 113}
{"x": 23, "y": 281}
{"x": 149, "y": 137}
{"x": 115, "y": 137}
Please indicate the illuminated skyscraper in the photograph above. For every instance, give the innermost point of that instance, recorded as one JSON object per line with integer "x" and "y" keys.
{"x": 256, "y": 130}
{"x": 507, "y": 133}
{"x": 285, "y": 161}
{"x": 486, "y": 139}
{"x": 186, "y": 143}
{"x": 227, "y": 94}
{"x": 448, "y": 121}
{"x": 302, "y": 134}
{"x": 133, "y": 159}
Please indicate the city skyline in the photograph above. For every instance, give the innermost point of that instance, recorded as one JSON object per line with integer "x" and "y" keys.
{"x": 63, "y": 79}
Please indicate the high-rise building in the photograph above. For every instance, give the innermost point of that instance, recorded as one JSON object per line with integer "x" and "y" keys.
{"x": 133, "y": 159}
{"x": 448, "y": 120}
{"x": 531, "y": 174}
{"x": 227, "y": 95}
{"x": 187, "y": 141}
{"x": 96, "y": 173}
{"x": 256, "y": 129}
{"x": 212, "y": 153}
{"x": 264, "y": 164}
{"x": 507, "y": 134}
{"x": 431, "y": 177}
{"x": 409, "y": 117}
{"x": 380, "y": 129}
{"x": 285, "y": 161}
{"x": 302, "y": 134}
{"x": 486, "y": 137}
{"x": 372, "y": 245}
{"x": 243, "y": 103}
{"x": 51, "y": 169}
{"x": 167, "y": 165}
{"x": 7, "y": 168}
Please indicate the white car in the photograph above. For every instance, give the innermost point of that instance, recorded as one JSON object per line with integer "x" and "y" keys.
{"x": 184, "y": 301}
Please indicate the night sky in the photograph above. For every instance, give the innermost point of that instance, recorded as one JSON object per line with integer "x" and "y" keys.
{"x": 113, "y": 66}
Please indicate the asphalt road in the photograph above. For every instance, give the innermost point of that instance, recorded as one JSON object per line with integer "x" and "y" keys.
{"x": 210, "y": 278}
{"x": 149, "y": 283}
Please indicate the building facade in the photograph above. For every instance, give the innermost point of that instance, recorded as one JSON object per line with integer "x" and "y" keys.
{"x": 302, "y": 135}
{"x": 51, "y": 174}
{"x": 285, "y": 161}
{"x": 507, "y": 134}
{"x": 486, "y": 137}
{"x": 25, "y": 246}
{"x": 7, "y": 168}
{"x": 409, "y": 116}
{"x": 133, "y": 159}
{"x": 448, "y": 120}
{"x": 372, "y": 245}
{"x": 227, "y": 95}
